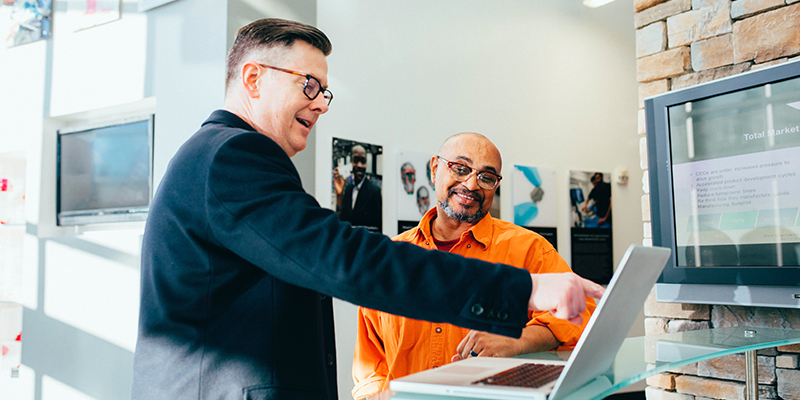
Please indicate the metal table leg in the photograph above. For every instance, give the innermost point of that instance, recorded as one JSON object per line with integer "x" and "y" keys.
{"x": 751, "y": 371}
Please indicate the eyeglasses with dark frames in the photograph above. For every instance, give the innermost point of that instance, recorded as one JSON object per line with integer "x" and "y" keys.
{"x": 487, "y": 180}
{"x": 312, "y": 87}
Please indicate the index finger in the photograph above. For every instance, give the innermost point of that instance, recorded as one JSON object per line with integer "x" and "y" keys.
{"x": 591, "y": 289}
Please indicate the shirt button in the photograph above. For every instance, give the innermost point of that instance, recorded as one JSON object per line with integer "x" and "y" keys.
{"x": 438, "y": 330}
{"x": 469, "y": 245}
{"x": 427, "y": 243}
{"x": 477, "y": 309}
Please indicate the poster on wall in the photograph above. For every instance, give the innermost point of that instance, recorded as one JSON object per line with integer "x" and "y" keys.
{"x": 25, "y": 21}
{"x": 10, "y": 338}
{"x": 146, "y": 5}
{"x": 590, "y": 225}
{"x": 533, "y": 193}
{"x": 356, "y": 183}
{"x": 12, "y": 188}
{"x": 415, "y": 192}
{"x": 12, "y": 224}
{"x": 85, "y": 14}
{"x": 11, "y": 245}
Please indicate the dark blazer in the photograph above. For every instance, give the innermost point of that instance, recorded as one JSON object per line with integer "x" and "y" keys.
{"x": 238, "y": 264}
{"x": 368, "y": 210}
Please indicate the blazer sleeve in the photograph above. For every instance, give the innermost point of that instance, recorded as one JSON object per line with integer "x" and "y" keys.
{"x": 259, "y": 210}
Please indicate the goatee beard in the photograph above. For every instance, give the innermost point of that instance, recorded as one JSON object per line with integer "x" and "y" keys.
{"x": 463, "y": 216}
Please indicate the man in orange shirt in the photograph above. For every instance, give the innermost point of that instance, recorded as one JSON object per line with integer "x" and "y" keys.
{"x": 465, "y": 173}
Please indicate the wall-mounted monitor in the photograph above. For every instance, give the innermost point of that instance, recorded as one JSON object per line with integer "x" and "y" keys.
{"x": 104, "y": 171}
{"x": 724, "y": 172}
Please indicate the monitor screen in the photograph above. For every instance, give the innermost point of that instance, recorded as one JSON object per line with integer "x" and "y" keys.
{"x": 736, "y": 177}
{"x": 724, "y": 185}
{"x": 104, "y": 172}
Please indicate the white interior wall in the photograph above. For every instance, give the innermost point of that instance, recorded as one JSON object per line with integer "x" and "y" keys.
{"x": 551, "y": 83}
{"x": 82, "y": 290}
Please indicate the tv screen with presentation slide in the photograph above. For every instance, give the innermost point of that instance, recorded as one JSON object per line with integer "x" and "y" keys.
{"x": 724, "y": 179}
{"x": 104, "y": 171}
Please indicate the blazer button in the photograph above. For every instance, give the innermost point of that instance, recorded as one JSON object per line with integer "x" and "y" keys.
{"x": 502, "y": 315}
{"x": 477, "y": 309}
{"x": 330, "y": 359}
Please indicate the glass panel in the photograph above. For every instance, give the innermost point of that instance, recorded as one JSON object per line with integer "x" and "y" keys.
{"x": 641, "y": 357}
{"x": 736, "y": 178}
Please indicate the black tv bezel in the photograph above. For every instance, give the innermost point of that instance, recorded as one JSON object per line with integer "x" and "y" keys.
{"x": 661, "y": 185}
{"x": 106, "y": 215}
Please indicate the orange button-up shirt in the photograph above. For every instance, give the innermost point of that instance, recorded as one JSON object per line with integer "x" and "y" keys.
{"x": 390, "y": 346}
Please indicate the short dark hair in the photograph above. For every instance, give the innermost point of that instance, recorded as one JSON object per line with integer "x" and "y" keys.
{"x": 268, "y": 33}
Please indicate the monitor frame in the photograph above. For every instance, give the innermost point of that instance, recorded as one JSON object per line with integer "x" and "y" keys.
{"x": 741, "y": 285}
{"x": 107, "y": 214}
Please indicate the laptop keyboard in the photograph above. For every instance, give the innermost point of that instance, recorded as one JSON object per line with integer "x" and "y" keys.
{"x": 524, "y": 375}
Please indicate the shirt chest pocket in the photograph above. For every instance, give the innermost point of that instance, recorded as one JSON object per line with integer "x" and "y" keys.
{"x": 399, "y": 333}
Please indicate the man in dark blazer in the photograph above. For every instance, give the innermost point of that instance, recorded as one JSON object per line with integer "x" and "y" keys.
{"x": 239, "y": 263}
{"x": 366, "y": 210}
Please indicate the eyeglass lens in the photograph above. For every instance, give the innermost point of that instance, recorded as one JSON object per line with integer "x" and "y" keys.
{"x": 313, "y": 88}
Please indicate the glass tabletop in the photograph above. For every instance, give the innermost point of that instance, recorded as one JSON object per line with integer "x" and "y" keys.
{"x": 644, "y": 356}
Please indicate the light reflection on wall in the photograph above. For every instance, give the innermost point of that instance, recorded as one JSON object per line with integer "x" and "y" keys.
{"x": 90, "y": 71}
{"x": 53, "y": 389}
{"x": 92, "y": 291}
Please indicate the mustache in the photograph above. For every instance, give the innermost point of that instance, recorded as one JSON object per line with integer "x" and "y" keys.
{"x": 471, "y": 193}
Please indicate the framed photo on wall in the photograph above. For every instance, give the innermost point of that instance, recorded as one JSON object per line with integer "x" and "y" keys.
{"x": 590, "y": 219}
{"x": 357, "y": 182}
{"x": 25, "y": 21}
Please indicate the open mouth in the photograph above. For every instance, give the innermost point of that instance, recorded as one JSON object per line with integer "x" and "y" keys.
{"x": 466, "y": 197}
{"x": 303, "y": 122}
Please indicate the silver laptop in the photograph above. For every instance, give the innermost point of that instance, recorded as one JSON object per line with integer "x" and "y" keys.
{"x": 485, "y": 377}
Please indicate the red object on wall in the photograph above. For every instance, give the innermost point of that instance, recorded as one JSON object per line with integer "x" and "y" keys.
{"x": 3, "y": 185}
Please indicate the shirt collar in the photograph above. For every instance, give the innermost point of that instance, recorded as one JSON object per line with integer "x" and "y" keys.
{"x": 228, "y": 118}
{"x": 364, "y": 179}
{"x": 481, "y": 232}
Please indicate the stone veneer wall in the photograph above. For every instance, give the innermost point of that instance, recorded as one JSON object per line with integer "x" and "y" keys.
{"x": 681, "y": 43}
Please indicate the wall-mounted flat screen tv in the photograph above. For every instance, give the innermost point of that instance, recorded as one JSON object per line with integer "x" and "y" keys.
{"x": 104, "y": 172}
{"x": 724, "y": 169}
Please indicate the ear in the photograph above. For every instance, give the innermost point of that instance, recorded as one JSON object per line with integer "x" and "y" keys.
{"x": 250, "y": 74}
{"x": 434, "y": 168}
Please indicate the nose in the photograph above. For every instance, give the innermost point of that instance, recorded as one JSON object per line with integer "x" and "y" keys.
{"x": 319, "y": 104}
{"x": 472, "y": 181}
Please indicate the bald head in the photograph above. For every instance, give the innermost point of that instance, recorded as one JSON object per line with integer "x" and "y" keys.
{"x": 471, "y": 143}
